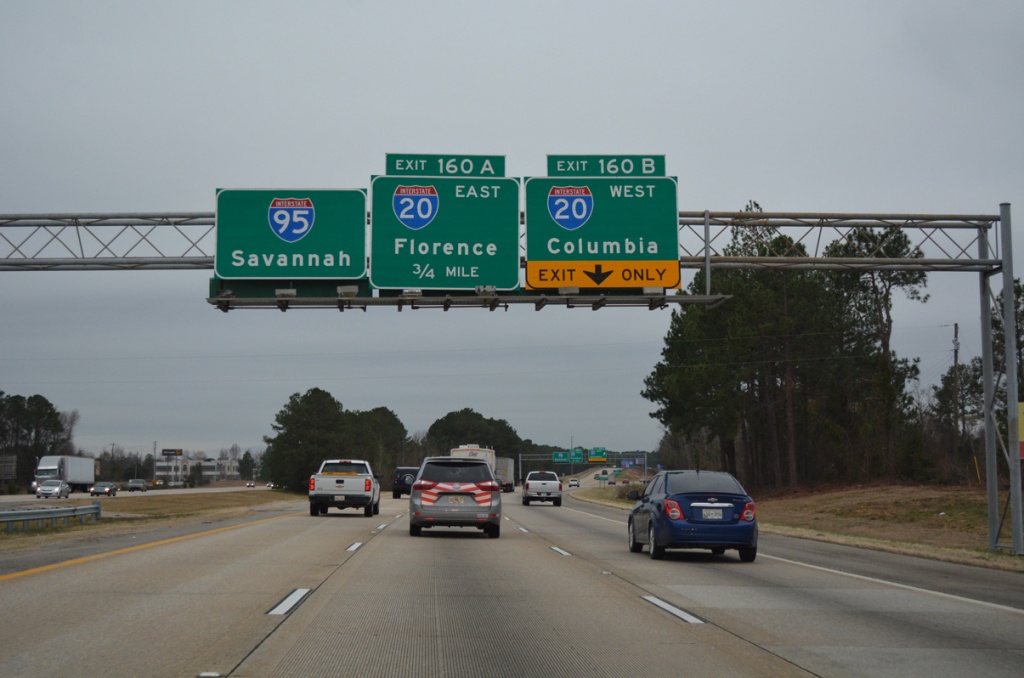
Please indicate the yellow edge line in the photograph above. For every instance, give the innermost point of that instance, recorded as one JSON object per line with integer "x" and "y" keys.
{"x": 86, "y": 559}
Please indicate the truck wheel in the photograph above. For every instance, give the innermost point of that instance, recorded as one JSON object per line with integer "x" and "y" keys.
{"x": 526, "y": 502}
{"x": 368, "y": 510}
{"x": 313, "y": 509}
{"x": 376, "y": 507}
{"x": 396, "y": 495}
{"x": 323, "y": 510}
{"x": 414, "y": 530}
{"x": 558, "y": 502}
{"x": 493, "y": 531}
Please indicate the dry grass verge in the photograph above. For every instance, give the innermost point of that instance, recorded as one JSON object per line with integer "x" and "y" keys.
{"x": 133, "y": 513}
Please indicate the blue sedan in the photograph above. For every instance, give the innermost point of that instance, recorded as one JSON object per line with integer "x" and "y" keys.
{"x": 693, "y": 510}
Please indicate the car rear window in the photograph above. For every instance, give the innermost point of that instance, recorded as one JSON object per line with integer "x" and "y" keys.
{"x": 456, "y": 471}
{"x": 344, "y": 467}
{"x": 679, "y": 483}
{"x": 543, "y": 476}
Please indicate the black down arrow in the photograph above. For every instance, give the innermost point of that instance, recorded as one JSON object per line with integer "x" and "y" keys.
{"x": 598, "y": 275}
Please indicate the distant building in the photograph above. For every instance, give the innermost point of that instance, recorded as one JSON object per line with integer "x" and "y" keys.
{"x": 221, "y": 469}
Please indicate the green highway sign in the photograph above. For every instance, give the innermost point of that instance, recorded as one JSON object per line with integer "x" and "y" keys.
{"x": 606, "y": 165}
{"x": 560, "y": 457}
{"x": 291, "y": 234}
{"x": 597, "y": 454}
{"x": 602, "y": 233}
{"x": 444, "y": 233}
{"x": 576, "y": 455}
{"x": 419, "y": 165}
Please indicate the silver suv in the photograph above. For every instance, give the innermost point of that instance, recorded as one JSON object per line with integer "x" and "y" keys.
{"x": 455, "y": 492}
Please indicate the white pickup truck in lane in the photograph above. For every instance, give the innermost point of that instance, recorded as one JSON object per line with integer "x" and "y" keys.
{"x": 542, "y": 486}
{"x": 344, "y": 483}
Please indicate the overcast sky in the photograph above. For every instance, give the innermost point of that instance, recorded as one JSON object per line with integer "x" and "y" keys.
{"x": 882, "y": 107}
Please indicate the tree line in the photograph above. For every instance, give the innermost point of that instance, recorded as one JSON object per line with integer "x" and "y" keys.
{"x": 314, "y": 426}
{"x": 793, "y": 381}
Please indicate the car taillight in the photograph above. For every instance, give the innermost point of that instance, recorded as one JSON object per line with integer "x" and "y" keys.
{"x": 312, "y": 484}
{"x": 424, "y": 485}
{"x": 673, "y": 510}
{"x": 489, "y": 486}
{"x": 369, "y": 485}
{"x": 526, "y": 486}
{"x": 559, "y": 487}
{"x": 749, "y": 511}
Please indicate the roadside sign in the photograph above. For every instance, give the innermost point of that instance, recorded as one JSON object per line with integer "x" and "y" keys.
{"x": 444, "y": 233}
{"x": 560, "y": 457}
{"x": 601, "y": 232}
{"x": 291, "y": 234}
{"x": 606, "y": 165}
{"x": 598, "y": 454}
{"x": 576, "y": 455}
{"x": 420, "y": 165}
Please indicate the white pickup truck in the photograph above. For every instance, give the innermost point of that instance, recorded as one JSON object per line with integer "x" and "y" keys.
{"x": 344, "y": 483}
{"x": 542, "y": 486}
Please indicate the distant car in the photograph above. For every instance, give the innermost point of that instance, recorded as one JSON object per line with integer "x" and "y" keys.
{"x": 105, "y": 489}
{"x": 250, "y": 484}
{"x": 137, "y": 484}
{"x": 611, "y": 482}
{"x": 455, "y": 492}
{"x": 401, "y": 483}
{"x": 597, "y": 476}
{"x": 53, "y": 488}
{"x": 574, "y": 482}
{"x": 693, "y": 510}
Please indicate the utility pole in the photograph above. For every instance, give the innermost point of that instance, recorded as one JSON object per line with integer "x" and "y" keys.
{"x": 956, "y": 392}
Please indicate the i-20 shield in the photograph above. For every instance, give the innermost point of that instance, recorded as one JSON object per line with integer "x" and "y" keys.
{"x": 415, "y": 206}
{"x": 291, "y": 219}
{"x": 570, "y": 206}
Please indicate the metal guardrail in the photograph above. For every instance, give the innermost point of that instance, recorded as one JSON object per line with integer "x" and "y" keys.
{"x": 40, "y": 518}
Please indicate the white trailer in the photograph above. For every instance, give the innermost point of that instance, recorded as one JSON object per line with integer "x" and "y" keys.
{"x": 78, "y": 472}
{"x": 475, "y": 451}
{"x": 504, "y": 473}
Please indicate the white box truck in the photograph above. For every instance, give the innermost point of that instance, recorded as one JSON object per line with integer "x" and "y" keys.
{"x": 505, "y": 473}
{"x": 78, "y": 472}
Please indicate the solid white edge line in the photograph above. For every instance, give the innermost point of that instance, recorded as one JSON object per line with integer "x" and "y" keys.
{"x": 917, "y": 589}
{"x": 290, "y": 601}
{"x": 762, "y": 555}
{"x": 355, "y": 546}
{"x": 673, "y": 610}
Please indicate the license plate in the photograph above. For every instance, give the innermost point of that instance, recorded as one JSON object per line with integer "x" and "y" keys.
{"x": 712, "y": 514}
{"x": 454, "y": 500}
{"x": 339, "y": 497}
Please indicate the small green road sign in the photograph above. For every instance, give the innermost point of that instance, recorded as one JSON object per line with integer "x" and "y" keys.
{"x": 419, "y": 165}
{"x": 560, "y": 457}
{"x": 576, "y": 455}
{"x": 606, "y": 165}
{"x": 291, "y": 234}
{"x": 602, "y": 232}
{"x": 597, "y": 454}
{"x": 444, "y": 233}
